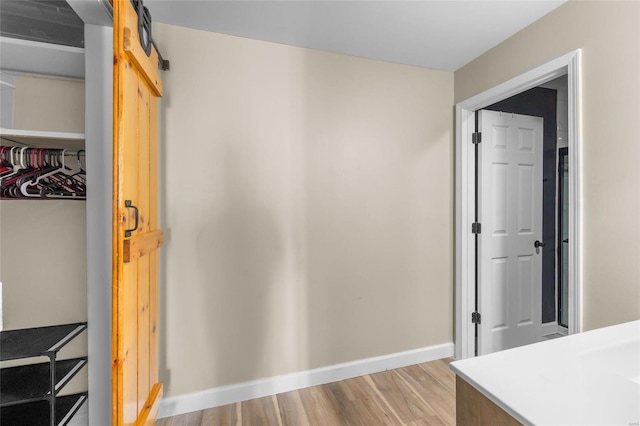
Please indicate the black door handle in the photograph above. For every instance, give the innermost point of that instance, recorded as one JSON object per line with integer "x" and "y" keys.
{"x": 538, "y": 244}
{"x": 129, "y": 205}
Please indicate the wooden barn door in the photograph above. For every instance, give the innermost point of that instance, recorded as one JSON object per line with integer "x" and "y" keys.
{"x": 136, "y": 237}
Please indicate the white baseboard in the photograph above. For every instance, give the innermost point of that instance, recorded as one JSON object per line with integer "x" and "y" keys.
{"x": 215, "y": 397}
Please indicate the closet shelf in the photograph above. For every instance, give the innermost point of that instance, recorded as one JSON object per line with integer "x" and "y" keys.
{"x": 37, "y": 413}
{"x": 24, "y": 383}
{"x": 43, "y": 139}
{"x": 39, "y": 341}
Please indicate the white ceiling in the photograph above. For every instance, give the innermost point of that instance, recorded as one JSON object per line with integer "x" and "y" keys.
{"x": 442, "y": 35}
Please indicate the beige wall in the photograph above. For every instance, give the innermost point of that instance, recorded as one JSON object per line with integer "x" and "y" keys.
{"x": 47, "y": 103}
{"x": 307, "y": 199}
{"x": 43, "y": 262}
{"x": 43, "y": 243}
{"x": 609, "y": 35}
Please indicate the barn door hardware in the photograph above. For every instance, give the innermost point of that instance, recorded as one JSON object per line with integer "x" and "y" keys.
{"x": 144, "y": 25}
{"x": 129, "y": 205}
{"x": 144, "y": 32}
{"x": 162, "y": 62}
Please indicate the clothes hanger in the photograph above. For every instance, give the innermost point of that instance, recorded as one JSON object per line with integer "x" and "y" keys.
{"x": 31, "y": 185}
{"x": 5, "y": 165}
{"x": 64, "y": 182}
{"x": 12, "y": 163}
{"x": 41, "y": 173}
{"x": 19, "y": 161}
{"x": 29, "y": 169}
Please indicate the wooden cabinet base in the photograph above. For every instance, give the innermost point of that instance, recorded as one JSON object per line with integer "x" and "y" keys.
{"x": 475, "y": 409}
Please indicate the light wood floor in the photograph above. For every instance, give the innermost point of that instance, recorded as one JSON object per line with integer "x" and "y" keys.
{"x": 422, "y": 394}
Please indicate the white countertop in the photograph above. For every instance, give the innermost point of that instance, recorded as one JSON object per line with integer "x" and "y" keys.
{"x": 591, "y": 378}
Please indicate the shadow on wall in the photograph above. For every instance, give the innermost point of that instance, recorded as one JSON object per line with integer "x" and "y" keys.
{"x": 239, "y": 249}
{"x": 222, "y": 267}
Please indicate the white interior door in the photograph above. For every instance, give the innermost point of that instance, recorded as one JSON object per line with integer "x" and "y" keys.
{"x": 510, "y": 211}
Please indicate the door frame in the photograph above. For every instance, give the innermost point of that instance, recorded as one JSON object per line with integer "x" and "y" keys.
{"x": 98, "y": 73}
{"x": 465, "y": 196}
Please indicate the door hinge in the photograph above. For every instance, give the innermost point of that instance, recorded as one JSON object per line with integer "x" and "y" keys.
{"x": 475, "y": 318}
{"x": 476, "y": 228}
{"x": 476, "y": 137}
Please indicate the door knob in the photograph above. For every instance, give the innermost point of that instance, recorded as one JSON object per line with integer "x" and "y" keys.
{"x": 538, "y": 244}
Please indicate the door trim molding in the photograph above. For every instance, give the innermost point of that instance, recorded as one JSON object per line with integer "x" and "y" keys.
{"x": 465, "y": 171}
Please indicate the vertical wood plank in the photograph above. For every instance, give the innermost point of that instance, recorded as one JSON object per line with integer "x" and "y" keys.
{"x": 144, "y": 385}
{"x": 128, "y": 169}
{"x": 153, "y": 224}
{"x": 153, "y": 317}
{"x": 129, "y": 336}
{"x": 144, "y": 163}
{"x": 128, "y": 328}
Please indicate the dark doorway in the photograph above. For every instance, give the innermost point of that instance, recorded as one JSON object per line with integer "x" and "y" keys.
{"x": 563, "y": 237}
